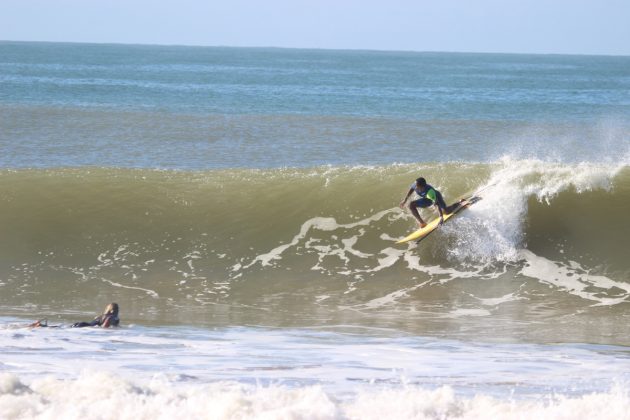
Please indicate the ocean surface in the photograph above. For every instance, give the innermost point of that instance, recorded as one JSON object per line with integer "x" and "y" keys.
{"x": 241, "y": 206}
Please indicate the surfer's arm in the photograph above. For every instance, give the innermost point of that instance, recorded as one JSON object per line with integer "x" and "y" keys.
{"x": 39, "y": 323}
{"x": 96, "y": 322}
{"x": 440, "y": 211}
{"x": 110, "y": 321}
{"x": 402, "y": 203}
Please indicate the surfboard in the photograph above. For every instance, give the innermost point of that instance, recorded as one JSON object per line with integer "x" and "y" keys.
{"x": 422, "y": 233}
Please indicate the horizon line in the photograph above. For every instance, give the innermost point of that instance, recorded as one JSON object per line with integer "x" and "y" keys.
{"x": 310, "y": 48}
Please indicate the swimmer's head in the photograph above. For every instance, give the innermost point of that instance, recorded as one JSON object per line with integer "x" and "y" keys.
{"x": 111, "y": 309}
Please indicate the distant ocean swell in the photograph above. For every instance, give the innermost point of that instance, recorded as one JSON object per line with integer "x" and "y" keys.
{"x": 209, "y": 234}
{"x": 70, "y": 136}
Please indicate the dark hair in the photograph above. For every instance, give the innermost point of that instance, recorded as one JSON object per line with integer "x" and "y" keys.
{"x": 421, "y": 181}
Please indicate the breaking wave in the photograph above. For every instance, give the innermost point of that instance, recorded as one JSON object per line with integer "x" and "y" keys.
{"x": 233, "y": 235}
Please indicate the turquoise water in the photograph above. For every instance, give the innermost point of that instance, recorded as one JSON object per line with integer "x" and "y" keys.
{"x": 416, "y": 86}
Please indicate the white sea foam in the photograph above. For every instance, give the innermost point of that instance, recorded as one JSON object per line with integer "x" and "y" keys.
{"x": 107, "y": 396}
{"x": 333, "y": 358}
{"x": 443, "y": 403}
{"x": 327, "y": 224}
{"x": 387, "y": 300}
{"x": 510, "y": 297}
{"x": 291, "y": 373}
{"x": 462, "y": 312}
{"x": 493, "y": 229}
{"x": 573, "y": 278}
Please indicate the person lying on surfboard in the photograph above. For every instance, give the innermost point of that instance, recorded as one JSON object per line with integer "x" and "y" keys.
{"x": 428, "y": 196}
{"x": 109, "y": 318}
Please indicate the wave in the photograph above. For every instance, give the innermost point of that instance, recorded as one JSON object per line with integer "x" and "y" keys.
{"x": 118, "y": 398}
{"x": 230, "y": 235}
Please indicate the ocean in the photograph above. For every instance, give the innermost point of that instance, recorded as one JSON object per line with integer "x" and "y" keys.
{"x": 241, "y": 206}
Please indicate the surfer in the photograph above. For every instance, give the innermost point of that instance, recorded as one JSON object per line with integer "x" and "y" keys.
{"x": 109, "y": 318}
{"x": 428, "y": 196}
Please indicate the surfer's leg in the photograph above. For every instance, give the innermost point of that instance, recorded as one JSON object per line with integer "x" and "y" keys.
{"x": 440, "y": 202}
{"x": 414, "y": 211}
{"x": 450, "y": 209}
{"x": 413, "y": 208}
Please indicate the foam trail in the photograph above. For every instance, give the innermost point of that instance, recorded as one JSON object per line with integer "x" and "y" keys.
{"x": 326, "y": 224}
{"x": 574, "y": 279}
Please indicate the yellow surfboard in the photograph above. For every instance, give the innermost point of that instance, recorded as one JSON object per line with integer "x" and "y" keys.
{"x": 422, "y": 233}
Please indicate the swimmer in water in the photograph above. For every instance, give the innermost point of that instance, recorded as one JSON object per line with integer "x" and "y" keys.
{"x": 109, "y": 318}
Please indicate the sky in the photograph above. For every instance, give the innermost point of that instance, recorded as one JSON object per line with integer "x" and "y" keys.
{"x": 515, "y": 26}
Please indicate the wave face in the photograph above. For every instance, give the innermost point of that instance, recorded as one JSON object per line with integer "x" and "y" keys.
{"x": 288, "y": 245}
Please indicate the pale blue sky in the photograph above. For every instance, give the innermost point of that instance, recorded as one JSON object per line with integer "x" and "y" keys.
{"x": 534, "y": 26}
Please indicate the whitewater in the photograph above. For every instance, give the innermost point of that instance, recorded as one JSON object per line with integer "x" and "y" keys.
{"x": 241, "y": 206}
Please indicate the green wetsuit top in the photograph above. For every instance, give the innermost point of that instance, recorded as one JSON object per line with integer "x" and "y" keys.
{"x": 429, "y": 192}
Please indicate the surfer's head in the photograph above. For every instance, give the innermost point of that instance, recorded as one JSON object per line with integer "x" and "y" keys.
{"x": 111, "y": 309}
{"x": 421, "y": 182}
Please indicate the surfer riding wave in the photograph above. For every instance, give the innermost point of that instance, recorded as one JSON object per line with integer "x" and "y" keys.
{"x": 428, "y": 196}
